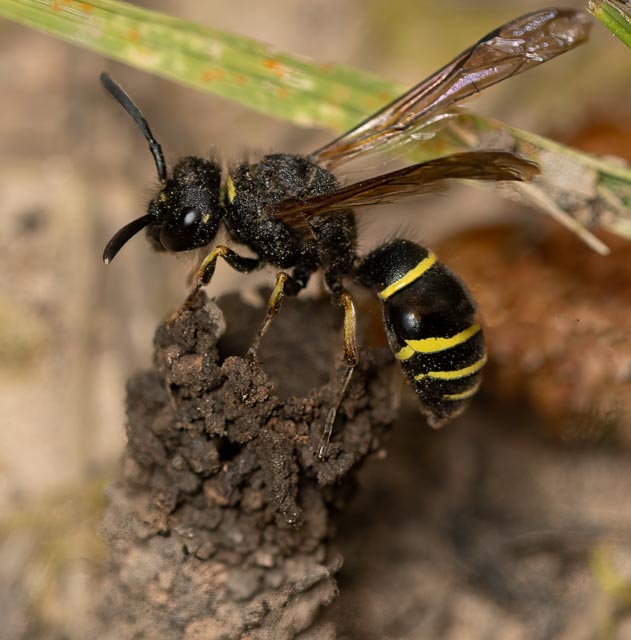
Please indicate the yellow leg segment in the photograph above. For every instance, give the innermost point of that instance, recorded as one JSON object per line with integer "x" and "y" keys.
{"x": 204, "y": 274}
{"x": 350, "y": 330}
{"x": 351, "y": 358}
{"x": 272, "y": 309}
{"x": 238, "y": 263}
{"x": 206, "y": 269}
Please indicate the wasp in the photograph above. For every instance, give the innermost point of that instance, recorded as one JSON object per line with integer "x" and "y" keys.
{"x": 293, "y": 213}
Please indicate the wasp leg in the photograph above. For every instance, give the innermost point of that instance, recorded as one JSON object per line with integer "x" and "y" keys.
{"x": 286, "y": 285}
{"x": 351, "y": 358}
{"x": 206, "y": 270}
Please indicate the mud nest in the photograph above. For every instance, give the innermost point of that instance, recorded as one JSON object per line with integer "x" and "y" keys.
{"x": 220, "y": 523}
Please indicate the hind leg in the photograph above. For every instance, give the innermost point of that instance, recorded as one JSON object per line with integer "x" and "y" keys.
{"x": 350, "y": 359}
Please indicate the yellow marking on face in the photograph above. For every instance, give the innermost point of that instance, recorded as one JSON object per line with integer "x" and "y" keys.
{"x": 206, "y": 218}
{"x": 432, "y": 345}
{"x": 162, "y": 197}
{"x": 456, "y": 374}
{"x": 409, "y": 277}
{"x": 463, "y": 395}
{"x": 232, "y": 190}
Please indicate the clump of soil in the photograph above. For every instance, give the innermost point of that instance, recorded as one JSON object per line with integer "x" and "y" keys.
{"x": 219, "y": 524}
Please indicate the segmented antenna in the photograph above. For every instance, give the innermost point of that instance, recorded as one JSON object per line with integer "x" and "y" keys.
{"x": 124, "y": 234}
{"x": 116, "y": 91}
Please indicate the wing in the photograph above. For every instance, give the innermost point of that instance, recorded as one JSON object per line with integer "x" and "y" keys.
{"x": 511, "y": 49}
{"x": 416, "y": 179}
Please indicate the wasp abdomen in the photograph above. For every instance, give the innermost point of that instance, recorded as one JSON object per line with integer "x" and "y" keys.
{"x": 429, "y": 318}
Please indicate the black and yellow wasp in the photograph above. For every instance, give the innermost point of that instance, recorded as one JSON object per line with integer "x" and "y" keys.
{"x": 292, "y": 213}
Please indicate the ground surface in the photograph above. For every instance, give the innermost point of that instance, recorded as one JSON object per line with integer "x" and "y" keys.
{"x": 498, "y": 527}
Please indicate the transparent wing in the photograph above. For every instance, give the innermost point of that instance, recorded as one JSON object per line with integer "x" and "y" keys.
{"x": 511, "y": 49}
{"x": 425, "y": 177}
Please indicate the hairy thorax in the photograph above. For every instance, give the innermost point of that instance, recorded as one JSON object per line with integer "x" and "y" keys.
{"x": 249, "y": 218}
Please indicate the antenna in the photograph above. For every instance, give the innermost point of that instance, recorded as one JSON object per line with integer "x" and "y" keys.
{"x": 124, "y": 234}
{"x": 116, "y": 91}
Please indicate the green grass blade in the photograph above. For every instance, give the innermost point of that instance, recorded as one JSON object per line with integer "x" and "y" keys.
{"x": 614, "y": 15}
{"x": 574, "y": 187}
{"x": 306, "y": 93}
{"x": 234, "y": 67}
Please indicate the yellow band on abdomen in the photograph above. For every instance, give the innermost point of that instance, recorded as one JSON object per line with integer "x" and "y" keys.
{"x": 432, "y": 345}
{"x": 456, "y": 374}
{"x": 464, "y": 395}
{"x": 409, "y": 277}
{"x": 405, "y": 353}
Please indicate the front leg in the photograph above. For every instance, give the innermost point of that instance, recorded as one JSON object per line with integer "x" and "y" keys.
{"x": 206, "y": 270}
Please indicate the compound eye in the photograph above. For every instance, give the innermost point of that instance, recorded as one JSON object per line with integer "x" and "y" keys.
{"x": 185, "y": 234}
{"x": 190, "y": 217}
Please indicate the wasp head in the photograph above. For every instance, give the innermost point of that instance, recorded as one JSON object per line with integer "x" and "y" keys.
{"x": 185, "y": 214}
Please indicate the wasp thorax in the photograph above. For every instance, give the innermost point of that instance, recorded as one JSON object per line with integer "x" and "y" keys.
{"x": 187, "y": 209}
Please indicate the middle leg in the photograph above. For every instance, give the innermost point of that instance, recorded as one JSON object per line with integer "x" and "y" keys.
{"x": 286, "y": 285}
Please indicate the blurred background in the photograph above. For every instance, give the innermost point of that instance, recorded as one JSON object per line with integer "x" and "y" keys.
{"x": 74, "y": 171}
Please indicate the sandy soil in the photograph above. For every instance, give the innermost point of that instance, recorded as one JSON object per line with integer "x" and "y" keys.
{"x": 496, "y": 527}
